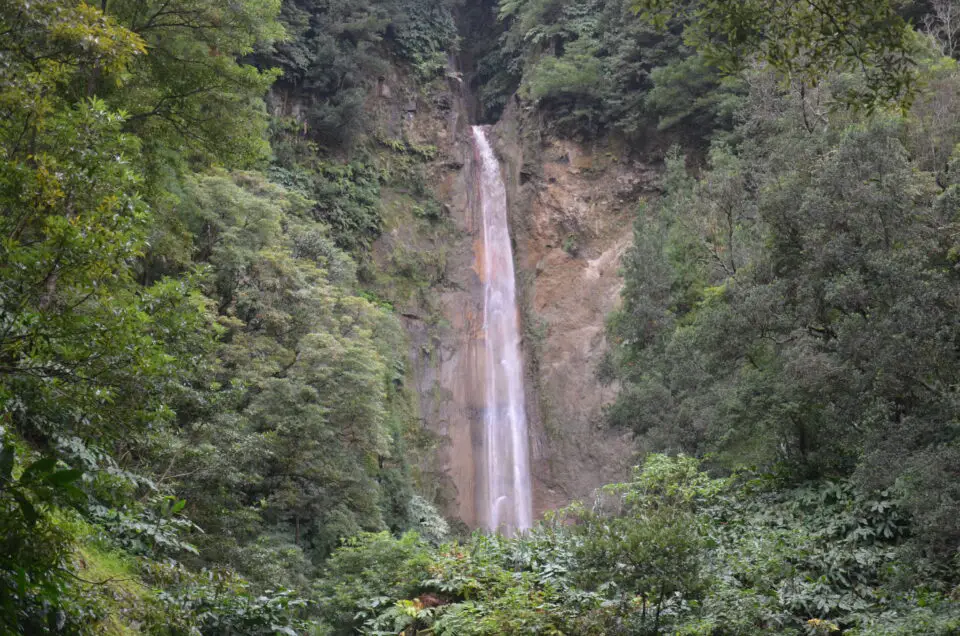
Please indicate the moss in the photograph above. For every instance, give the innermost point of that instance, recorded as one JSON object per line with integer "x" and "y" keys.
{"x": 108, "y": 581}
{"x": 122, "y": 594}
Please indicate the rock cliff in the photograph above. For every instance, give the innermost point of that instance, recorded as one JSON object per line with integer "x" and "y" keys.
{"x": 571, "y": 207}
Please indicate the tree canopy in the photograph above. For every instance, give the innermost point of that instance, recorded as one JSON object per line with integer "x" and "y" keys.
{"x": 808, "y": 40}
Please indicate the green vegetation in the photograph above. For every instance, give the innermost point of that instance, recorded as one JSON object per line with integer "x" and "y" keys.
{"x": 792, "y": 306}
{"x": 205, "y": 419}
{"x": 336, "y": 51}
{"x": 586, "y": 65}
{"x": 804, "y": 40}
{"x": 593, "y": 68}
{"x": 196, "y": 400}
{"x": 673, "y": 551}
{"x": 625, "y": 66}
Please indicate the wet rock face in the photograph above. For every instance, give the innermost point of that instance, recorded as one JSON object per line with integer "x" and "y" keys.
{"x": 571, "y": 210}
{"x": 444, "y": 321}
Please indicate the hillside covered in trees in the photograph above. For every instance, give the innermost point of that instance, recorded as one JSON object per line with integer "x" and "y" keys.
{"x": 208, "y": 423}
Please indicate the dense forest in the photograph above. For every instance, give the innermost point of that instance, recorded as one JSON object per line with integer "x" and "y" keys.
{"x": 207, "y": 418}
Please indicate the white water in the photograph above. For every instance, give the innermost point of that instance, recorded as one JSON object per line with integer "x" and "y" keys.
{"x": 508, "y": 498}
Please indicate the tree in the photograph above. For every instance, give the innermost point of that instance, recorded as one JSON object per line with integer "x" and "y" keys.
{"x": 648, "y": 552}
{"x": 192, "y": 98}
{"x": 86, "y": 355}
{"x": 793, "y": 306}
{"x": 943, "y": 24}
{"x": 336, "y": 52}
{"x": 806, "y": 40}
{"x": 78, "y": 333}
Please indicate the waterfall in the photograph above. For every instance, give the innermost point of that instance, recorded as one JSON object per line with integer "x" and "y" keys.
{"x": 508, "y": 498}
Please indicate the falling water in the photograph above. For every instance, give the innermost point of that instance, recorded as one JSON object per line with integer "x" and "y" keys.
{"x": 508, "y": 498}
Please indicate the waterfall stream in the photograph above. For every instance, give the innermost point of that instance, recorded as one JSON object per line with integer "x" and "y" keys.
{"x": 508, "y": 498}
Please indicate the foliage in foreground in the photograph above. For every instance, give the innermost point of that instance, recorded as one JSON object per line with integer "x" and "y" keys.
{"x": 673, "y": 551}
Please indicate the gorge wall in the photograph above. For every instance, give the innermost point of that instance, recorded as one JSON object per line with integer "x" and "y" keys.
{"x": 571, "y": 207}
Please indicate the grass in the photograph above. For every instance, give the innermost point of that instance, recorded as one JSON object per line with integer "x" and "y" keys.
{"x": 110, "y": 581}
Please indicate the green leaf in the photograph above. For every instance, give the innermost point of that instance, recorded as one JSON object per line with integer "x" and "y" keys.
{"x": 26, "y": 508}
{"x": 37, "y": 468}
{"x": 21, "y": 577}
{"x": 72, "y": 492}
{"x": 63, "y": 477}
{"x": 7, "y": 457}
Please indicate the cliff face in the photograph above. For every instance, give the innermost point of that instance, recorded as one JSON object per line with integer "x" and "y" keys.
{"x": 571, "y": 208}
